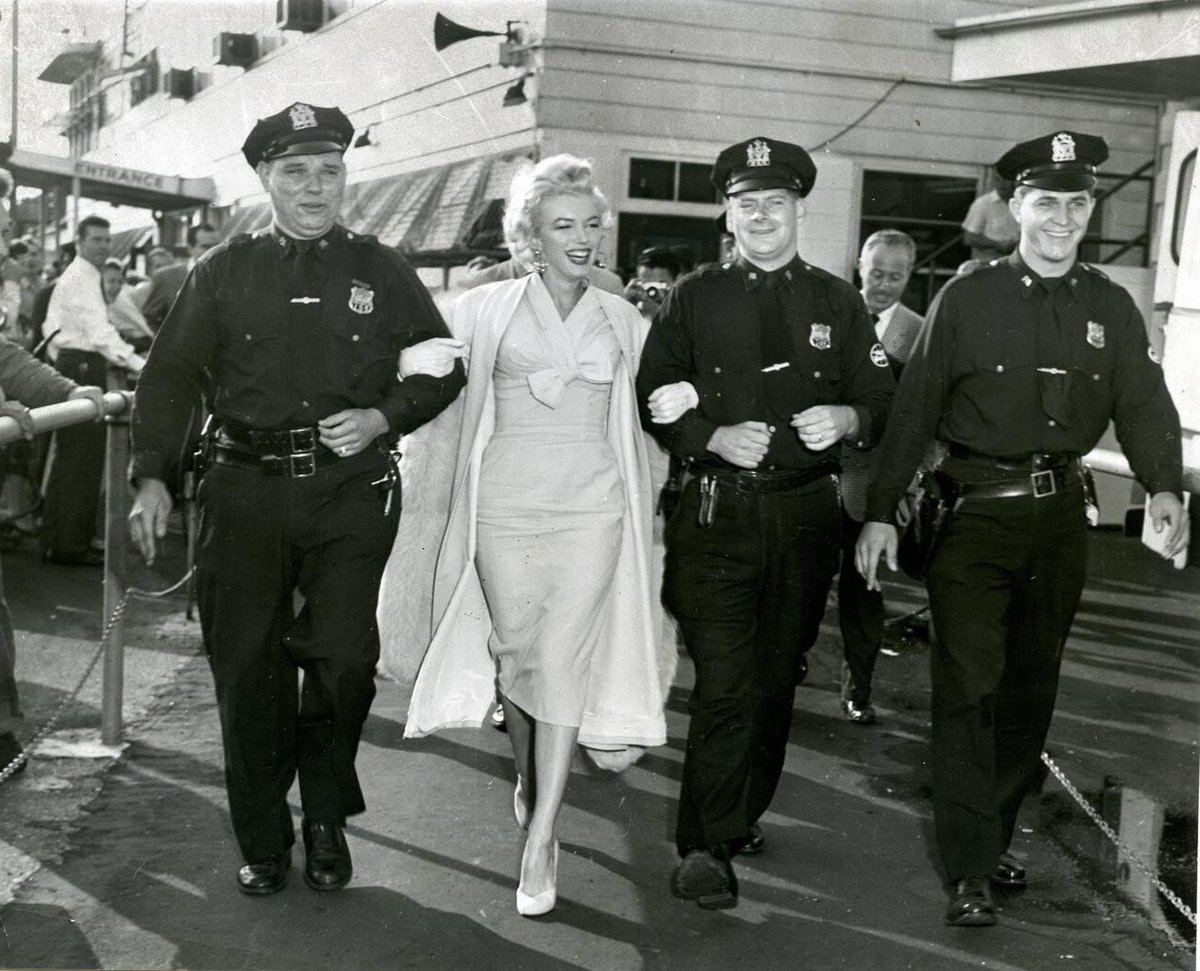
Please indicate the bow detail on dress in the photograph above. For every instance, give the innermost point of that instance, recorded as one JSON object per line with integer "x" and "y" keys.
{"x": 548, "y": 384}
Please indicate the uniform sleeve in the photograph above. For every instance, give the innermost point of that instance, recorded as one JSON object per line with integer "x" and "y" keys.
{"x": 26, "y": 379}
{"x": 410, "y": 403}
{"x": 667, "y": 357}
{"x": 1144, "y": 416}
{"x": 867, "y": 376}
{"x": 166, "y": 405}
{"x": 920, "y": 400}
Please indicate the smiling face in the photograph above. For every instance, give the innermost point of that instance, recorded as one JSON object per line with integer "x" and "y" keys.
{"x": 306, "y": 192}
{"x": 569, "y": 233}
{"x": 884, "y": 271}
{"x": 766, "y": 225}
{"x": 1052, "y": 225}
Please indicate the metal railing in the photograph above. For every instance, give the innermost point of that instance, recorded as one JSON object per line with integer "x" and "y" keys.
{"x": 117, "y": 405}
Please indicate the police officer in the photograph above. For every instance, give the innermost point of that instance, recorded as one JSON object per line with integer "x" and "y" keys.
{"x": 786, "y": 366}
{"x": 293, "y": 336}
{"x": 1019, "y": 369}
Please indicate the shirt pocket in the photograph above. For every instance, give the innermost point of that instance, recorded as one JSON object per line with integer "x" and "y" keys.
{"x": 362, "y": 348}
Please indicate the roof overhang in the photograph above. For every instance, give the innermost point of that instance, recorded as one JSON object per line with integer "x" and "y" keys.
{"x": 1145, "y": 48}
{"x": 111, "y": 183}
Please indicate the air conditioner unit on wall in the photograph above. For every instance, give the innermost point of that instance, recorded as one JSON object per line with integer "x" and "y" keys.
{"x": 305, "y": 15}
{"x": 180, "y": 83}
{"x": 235, "y": 50}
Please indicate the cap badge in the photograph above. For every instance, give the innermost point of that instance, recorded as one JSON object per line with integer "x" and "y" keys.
{"x": 758, "y": 153}
{"x": 362, "y": 299}
{"x": 820, "y": 337}
{"x": 302, "y": 116}
{"x": 878, "y": 355}
{"x": 1062, "y": 148}
{"x": 1095, "y": 334}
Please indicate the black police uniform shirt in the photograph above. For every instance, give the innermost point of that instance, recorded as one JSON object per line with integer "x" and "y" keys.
{"x": 1010, "y": 364}
{"x": 761, "y": 346}
{"x": 279, "y": 338}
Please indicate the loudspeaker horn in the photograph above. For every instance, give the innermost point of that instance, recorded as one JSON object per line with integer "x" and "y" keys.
{"x": 447, "y": 32}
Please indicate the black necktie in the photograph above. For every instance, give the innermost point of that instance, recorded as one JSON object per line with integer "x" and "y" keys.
{"x": 775, "y": 342}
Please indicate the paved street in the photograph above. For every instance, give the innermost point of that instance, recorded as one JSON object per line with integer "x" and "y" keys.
{"x": 138, "y": 861}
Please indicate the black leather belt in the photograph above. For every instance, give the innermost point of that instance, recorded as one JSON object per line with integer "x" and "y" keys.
{"x": 1034, "y": 462}
{"x": 763, "y": 483}
{"x": 272, "y": 441}
{"x": 293, "y": 465}
{"x": 1040, "y": 484}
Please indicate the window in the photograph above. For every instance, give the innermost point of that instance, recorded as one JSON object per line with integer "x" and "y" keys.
{"x": 651, "y": 178}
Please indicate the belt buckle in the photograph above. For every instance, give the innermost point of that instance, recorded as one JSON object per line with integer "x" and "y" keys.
{"x": 301, "y": 440}
{"x": 301, "y": 465}
{"x": 1043, "y": 483}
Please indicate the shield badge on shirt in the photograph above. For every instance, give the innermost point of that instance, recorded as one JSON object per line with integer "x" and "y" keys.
{"x": 820, "y": 337}
{"x": 362, "y": 299}
{"x": 1095, "y": 334}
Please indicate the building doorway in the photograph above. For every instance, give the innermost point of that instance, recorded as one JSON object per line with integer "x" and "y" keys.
{"x": 639, "y": 231}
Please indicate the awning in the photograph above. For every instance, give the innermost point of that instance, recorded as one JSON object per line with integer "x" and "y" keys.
{"x": 1138, "y": 47}
{"x": 110, "y": 183}
{"x": 127, "y": 240}
{"x": 435, "y": 216}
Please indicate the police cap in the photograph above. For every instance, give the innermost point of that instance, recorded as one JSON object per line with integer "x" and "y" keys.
{"x": 763, "y": 163}
{"x": 1064, "y": 161}
{"x": 302, "y": 129}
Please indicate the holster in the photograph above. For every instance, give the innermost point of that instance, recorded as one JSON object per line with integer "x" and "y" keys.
{"x": 202, "y": 458}
{"x": 933, "y": 503}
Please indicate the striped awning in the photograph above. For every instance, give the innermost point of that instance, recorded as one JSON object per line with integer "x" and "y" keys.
{"x": 429, "y": 215}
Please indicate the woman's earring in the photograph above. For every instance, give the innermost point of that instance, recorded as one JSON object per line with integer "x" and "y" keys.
{"x": 539, "y": 263}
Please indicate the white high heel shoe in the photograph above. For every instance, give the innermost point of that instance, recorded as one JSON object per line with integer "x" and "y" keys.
{"x": 520, "y": 810}
{"x": 543, "y": 902}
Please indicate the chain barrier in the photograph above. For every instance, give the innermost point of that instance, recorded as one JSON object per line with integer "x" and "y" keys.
{"x": 117, "y": 614}
{"x": 1150, "y": 872}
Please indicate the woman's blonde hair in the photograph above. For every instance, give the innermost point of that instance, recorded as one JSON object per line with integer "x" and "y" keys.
{"x": 559, "y": 175}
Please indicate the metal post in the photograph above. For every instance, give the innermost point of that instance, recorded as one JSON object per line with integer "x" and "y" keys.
{"x": 116, "y": 512}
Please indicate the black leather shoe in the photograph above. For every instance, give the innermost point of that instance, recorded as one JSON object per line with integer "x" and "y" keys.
{"x": 971, "y": 903}
{"x": 1009, "y": 872}
{"x": 755, "y": 843}
{"x": 863, "y": 714}
{"x": 10, "y": 748}
{"x": 265, "y": 876}
{"x": 706, "y": 879}
{"x": 327, "y": 863}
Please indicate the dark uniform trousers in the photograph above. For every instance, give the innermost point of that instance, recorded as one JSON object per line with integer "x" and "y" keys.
{"x": 261, "y": 537}
{"x": 1003, "y": 589}
{"x": 72, "y": 499}
{"x": 748, "y": 592}
{"x": 860, "y": 618}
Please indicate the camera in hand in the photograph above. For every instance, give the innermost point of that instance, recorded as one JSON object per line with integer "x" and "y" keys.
{"x": 656, "y": 291}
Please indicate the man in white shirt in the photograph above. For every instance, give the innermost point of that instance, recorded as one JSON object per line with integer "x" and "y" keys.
{"x": 83, "y": 345}
{"x": 884, "y": 266}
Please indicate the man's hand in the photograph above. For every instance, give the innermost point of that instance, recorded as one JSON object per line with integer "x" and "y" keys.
{"x": 823, "y": 426}
{"x": 434, "y": 357}
{"x": 349, "y": 432}
{"x": 20, "y": 414}
{"x": 89, "y": 392}
{"x": 148, "y": 517}
{"x": 1167, "y": 512}
{"x": 743, "y": 445}
{"x": 668, "y": 403}
{"x": 874, "y": 540}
